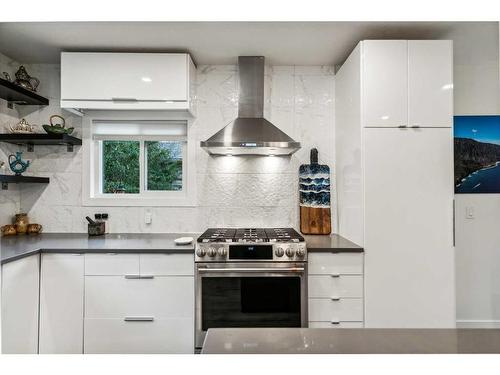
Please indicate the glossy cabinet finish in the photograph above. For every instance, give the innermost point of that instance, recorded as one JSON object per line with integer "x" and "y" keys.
{"x": 140, "y": 303}
{"x": 20, "y": 288}
{"x": 409, "y": 228}
{"x": 385, "y": 83}
{"x": 100, "y": 80}
{"x": 61, "y": 304}
{"x": 430, "y": 82}
{"x": 335, "y": 289}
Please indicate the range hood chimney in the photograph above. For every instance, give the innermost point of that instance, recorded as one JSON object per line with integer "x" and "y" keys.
{"x": 250, "y": 133}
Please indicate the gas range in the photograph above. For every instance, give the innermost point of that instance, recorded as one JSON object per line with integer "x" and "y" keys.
{"x": 250, "y": 245}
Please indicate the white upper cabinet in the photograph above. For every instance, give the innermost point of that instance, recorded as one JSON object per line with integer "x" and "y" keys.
{"x": 407, "y": 83}
{"x": 430, "y": 77}
{"x": 385, "y": 83}
{"x": 160, "y": 81}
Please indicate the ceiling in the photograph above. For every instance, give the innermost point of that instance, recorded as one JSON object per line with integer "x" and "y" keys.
{"x": 283, "y": 43}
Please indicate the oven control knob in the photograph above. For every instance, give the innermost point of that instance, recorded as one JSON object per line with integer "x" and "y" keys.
{"x": 279, "y": 252}
{"x": 290, "y": 252}
{"x": 222, "y": 251}
{"x": 201, "y": 252}
{"x": 301, "y": 252}
{"x": 211, "y": 252}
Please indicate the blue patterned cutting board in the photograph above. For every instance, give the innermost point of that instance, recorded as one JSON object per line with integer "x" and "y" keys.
{"x": 314, "y": 199}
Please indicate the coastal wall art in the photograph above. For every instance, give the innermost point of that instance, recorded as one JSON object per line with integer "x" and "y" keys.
{"x": 477, "y": 154}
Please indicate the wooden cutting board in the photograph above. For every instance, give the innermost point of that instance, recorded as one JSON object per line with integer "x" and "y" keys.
{"x": 314, "y": 197}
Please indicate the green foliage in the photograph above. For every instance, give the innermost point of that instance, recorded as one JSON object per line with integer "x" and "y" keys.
{"x": 121, "y": 172}
{"x": 164, "y": 172}
{"x": 121, "y": 167}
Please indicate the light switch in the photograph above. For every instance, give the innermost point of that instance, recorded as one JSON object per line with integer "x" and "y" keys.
{"x": 469, "y": 212}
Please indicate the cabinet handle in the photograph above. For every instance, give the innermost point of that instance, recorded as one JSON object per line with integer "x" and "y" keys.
{"x": 335, "y": 275}
{"x": 335, "y": 298}
{"x": 139, "y": 319}
{"x": 415, "y": 126}
{"x": 335, "y": 321}
{"x": 124, "y": 99}
{"x": 402, "y": 126}
{"x": 139, "y": 277}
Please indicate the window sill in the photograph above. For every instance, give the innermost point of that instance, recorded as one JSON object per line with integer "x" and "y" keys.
{"x": 182, "y": 201}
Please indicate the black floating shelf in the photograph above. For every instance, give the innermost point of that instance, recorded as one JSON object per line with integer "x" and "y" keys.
{"x": 41, "y": 139}
{"x": 11, "y": 179}
{"x": 16, "y": 94}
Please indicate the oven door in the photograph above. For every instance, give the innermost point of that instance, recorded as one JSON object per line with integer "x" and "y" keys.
{"x": 250, "y": 295}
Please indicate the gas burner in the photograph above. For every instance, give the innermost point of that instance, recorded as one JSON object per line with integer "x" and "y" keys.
{"x": 217, "y": 235}
{"x": 251, "y": 235}
{"x": 283, "y": 235}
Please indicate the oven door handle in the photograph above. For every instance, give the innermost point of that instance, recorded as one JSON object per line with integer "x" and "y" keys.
{"x": 287, "y": 269}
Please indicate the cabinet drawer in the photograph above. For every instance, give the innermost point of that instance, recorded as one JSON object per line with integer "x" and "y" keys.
{"x": 159, "y": 297}
{"x": 111, "y": 264}
{"x": 326, "y": 286}
{"x": 167, "y": 264}
{"x": 344, "y": 309}
{"x": 139, "y": 337}
{"x": 328, "y": 263}
{"x": 336, "y": 325}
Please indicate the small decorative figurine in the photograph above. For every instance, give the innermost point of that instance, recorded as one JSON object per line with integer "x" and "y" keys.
{"x": 17, "y": 164}
{"x": 22, "y": 127}
{"x": 6, "y": 76}
{"x": 23, "y": 79}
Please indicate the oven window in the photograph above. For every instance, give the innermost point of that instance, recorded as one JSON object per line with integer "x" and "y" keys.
{"x": 250, "y": 302}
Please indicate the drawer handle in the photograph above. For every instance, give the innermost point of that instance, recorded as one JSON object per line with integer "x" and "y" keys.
{"x": 335, "y": 275}
{"x": 335, "y": 298}
{"x": 139, "y": 277}
{"x": 139, "y": 319}
{"x": 127, "y": 100}
{"x": 335, "y": 321}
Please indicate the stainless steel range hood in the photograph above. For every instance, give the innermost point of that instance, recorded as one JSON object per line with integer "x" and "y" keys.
{"x": 250, "y": 133}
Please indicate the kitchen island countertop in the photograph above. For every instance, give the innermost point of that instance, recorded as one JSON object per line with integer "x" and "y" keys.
{"x": 16, "y": 247}
{"x": 350, "y": 341}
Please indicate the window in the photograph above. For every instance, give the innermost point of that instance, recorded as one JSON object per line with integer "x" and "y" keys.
{"x": 133, "y": 161}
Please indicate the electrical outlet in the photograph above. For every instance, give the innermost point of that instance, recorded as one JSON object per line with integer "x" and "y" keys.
{"x": 469, "y": 212}
{"x": 148, "y": 217}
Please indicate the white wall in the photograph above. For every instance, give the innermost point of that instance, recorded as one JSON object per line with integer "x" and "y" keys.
{"x": 477, "y": 92}
{"x": 232, "y": 191}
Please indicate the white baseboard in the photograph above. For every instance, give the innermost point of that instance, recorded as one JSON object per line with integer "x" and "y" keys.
{"x": 478, "y": 323}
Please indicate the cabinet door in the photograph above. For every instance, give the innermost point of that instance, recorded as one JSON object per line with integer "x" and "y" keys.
{"x": 137, "y": 76}
{"x": 384, "y": 83}
{"x": 430, "y": 77}
{"x": 20, "y": 288}
{"x": 61, "y": 304}
{"x": 409, "y": 260}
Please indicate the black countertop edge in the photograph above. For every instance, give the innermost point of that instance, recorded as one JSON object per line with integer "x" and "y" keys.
{"x": 332, "y": 243}
{"x": 95, "y": 251}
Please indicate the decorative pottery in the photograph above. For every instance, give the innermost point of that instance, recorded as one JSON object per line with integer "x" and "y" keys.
{"x": 21, "y": 223}
{"x": 34, "y": 228}
{"x": 24, "y": 80}
{"x": 22, "y": 127}
{"x": 17, "y": 164}
{"x": 57, "y": 128}
{"x": 8, "y": 230}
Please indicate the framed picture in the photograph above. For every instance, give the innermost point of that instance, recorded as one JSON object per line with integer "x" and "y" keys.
{"x": 477, "y": 154}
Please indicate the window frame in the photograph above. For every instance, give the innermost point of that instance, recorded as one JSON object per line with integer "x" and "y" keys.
{"x": 92, "y": 162}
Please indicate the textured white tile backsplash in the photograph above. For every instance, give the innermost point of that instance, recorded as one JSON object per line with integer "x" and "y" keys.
{"x": 232, "y": 191}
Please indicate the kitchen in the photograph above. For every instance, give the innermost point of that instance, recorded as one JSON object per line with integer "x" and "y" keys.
{"x": 178, "y": 257}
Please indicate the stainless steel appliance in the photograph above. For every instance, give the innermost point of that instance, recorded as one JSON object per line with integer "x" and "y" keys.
{"x": 251, "y": 277}
{"x": 250, "y": 133}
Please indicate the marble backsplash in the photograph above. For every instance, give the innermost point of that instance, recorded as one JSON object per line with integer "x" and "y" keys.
{"x": 232, "y": 191}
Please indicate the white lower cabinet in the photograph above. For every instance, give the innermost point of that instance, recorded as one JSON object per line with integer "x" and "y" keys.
{"x": 336, "y": 290}
{"x": 20, "y": 288}
{"x": 149, "y": 308}
{"x": 61, "y": 304}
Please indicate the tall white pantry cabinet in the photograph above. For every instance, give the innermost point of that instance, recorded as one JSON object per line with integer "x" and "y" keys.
{"x": 394, "y": 152}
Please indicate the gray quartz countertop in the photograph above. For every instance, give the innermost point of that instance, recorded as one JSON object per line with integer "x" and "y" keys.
{"x": 350, "y": 341}
{"x": 332, "y": 243}
{"x": 16, "y": 247}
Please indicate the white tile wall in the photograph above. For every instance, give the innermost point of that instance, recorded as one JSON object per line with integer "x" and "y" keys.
{"x": 232, "y": 191}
